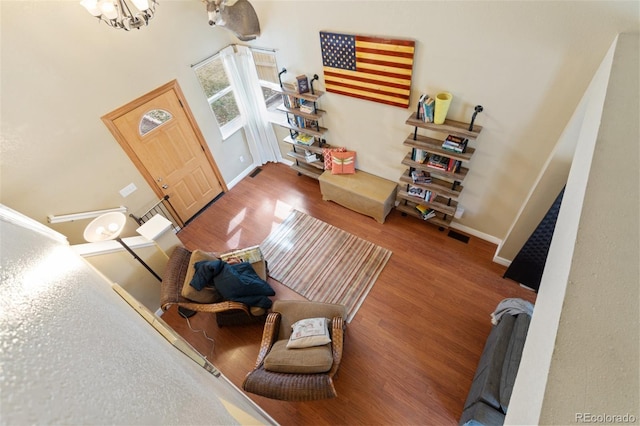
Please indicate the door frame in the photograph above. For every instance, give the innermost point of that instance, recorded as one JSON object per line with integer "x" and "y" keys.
{"x": 108, "y": 120}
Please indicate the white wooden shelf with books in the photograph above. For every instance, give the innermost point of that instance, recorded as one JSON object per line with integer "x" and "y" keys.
{"x": 306, "y": 135}
{"x": 437, "y": 164}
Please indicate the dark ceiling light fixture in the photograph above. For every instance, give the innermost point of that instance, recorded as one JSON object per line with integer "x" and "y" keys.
{"x": 119, "y": 14}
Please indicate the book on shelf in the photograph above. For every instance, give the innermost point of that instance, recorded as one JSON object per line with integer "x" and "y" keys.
{"x": 303, "y": 123}
{"x": 429, "y": 109}
{"x": 425, "y": 212}
{"x": 438, "y": 162}
{"x": 420, "y": 176}
{"x": 290, "y": 86}
{"x": 419, "y": 155}
{"x": 303, "y": 83}
{"x": 290, "y": 102}
{"x": 425, "y": 110}
{"x": 304, "y": 139}
{"x": 420, "y": 110}
{"x": 416, "y": 191}
{"x": 455, "y": 144}
{"x": 451, "y": 165}
{"x": 310, "y": 157}
{"x": 454, "y": 165}
{"x": 307, "y": 107}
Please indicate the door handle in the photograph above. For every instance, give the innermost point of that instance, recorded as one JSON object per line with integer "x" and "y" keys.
{"x": 165, "y": 186}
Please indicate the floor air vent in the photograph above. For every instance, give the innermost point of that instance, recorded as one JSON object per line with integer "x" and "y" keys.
{"x": 255, "y": 172}
{"x": 457, "y": 236}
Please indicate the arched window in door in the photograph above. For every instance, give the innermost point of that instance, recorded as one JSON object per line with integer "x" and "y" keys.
{"x": 153, "y": 119}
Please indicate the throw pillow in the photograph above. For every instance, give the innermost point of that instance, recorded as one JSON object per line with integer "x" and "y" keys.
{"x": 309, "y": 332}
{"x": 344, "y": 163}
{"x": 206, "y": 294}
{"x": 326, "y": 154}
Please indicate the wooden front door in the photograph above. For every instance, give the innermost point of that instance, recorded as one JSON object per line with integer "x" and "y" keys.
{"x": 161, "y": 137}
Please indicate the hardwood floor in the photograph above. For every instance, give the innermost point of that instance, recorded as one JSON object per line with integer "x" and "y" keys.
{"x": 412, "y": 349}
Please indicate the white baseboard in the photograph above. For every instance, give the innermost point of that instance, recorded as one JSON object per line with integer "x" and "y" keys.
{"x": 476, "y": 233}
{"x": 486, "y": 237}
{"x": 246, "y": 172}
{"x": 501, "y": 261}
{"x": 242, "y": 175}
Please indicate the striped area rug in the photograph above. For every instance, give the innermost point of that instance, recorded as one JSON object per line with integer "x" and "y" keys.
{"x": 323, "y": 263}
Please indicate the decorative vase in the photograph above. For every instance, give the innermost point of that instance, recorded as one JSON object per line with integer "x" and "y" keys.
{"x": 443, "y": 100}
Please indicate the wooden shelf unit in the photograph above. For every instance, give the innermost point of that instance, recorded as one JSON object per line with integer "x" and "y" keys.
{"x": 296, "y": 111}
{"x": 316, "y": 133}
{"x": 313, "y": 97}
{"x": 446, "y": 185}
{"x": 311, "y": 169}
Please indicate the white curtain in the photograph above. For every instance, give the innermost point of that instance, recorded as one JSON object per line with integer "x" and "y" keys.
{"x": 243, "y": 77}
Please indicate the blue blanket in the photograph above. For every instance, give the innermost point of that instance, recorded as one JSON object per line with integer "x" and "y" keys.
{"x": 238, "y": 282}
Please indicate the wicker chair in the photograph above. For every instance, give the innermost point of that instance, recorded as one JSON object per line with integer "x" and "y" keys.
{"x": 227, "y": 312}
{"x": 296, "y": 386}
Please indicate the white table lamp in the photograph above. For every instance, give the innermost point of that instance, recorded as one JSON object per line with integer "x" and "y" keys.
{"x": 109, "y": 226}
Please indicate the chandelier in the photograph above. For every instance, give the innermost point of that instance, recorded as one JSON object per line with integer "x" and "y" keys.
{"x": 118, "y": 14}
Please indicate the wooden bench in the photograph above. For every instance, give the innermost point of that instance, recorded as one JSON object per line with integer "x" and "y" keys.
{"x": 361, "y": 192}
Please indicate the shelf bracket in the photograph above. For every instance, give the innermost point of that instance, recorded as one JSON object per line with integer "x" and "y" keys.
{"x": 284, "y": 70}
{"x": 315, "y": 77}
{"x": 477, "y": 109}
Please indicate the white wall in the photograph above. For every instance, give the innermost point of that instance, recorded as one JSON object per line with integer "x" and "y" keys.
{"x": 62, "y": 71}
{"x": 74, "y": 352}
{"x": 119, "y": 266}
{"x": 527, "y": 63}
{"x": 583, "y": 349}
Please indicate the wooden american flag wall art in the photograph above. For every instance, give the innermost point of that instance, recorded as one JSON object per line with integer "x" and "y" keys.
{"x": 371, "y": 68}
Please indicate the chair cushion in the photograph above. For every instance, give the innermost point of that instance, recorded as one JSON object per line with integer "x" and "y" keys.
{"x": 317, "y": 359}
{"x": 208, "y": 294}
{"x": 309, "y": 332}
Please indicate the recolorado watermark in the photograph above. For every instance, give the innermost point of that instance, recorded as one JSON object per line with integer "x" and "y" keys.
{"x": 605, "y": 418}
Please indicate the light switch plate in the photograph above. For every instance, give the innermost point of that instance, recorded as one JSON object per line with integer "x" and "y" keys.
{"x": 127, "y": 190}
